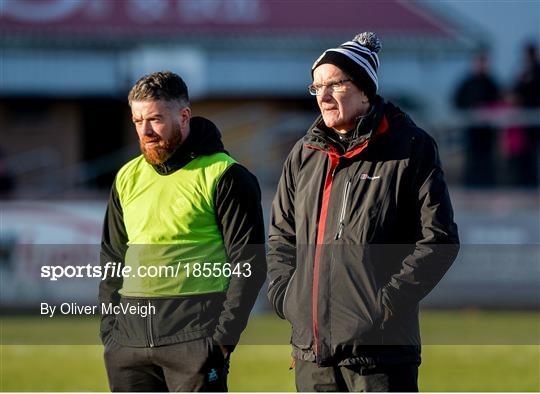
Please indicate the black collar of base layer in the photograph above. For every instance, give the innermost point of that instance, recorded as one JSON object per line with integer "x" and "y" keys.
{"x": 204, "y": 139}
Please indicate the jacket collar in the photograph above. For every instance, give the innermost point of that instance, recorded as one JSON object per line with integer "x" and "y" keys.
{"x": 321, "y": 137}
{"x": 204, "y": 139}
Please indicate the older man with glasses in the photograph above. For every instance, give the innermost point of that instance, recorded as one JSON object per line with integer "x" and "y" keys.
{"x": 361, "y": 230}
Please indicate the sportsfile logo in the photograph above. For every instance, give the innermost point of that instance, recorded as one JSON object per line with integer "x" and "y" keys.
{"x": 365, "y": 176}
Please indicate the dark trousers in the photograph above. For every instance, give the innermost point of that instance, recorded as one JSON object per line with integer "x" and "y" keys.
{"x": 400, "y": 378}
{"x": 190, "y": 366}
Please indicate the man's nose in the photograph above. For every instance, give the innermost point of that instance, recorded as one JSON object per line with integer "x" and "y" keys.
{"x": 147, "y": 128}
{"x": 326, "y": 93}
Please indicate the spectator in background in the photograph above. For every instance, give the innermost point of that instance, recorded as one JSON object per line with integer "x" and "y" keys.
{"x": 527, "y": 87}
{"x": 527, "y": 94}
{"x": 513, "y": 142}
{"x": 478, "y": 91}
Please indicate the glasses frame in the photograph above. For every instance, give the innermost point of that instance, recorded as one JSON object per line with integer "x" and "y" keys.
{"x": 332, "y": 86}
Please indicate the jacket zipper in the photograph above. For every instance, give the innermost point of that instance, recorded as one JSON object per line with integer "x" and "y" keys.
{"x": 346, "y": 193}
{"x": 149, "y": 324}
{"x": 334, "y": 163}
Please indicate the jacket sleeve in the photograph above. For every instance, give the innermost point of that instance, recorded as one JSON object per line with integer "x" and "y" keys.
{"x": 113, "y": 249}
{"x": 239, "y": 215}
{"x": 281, "y": 255}
{"x": 437, "y": 241}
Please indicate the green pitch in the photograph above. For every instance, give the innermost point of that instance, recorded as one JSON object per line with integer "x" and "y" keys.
{"x": 512, "y": 365}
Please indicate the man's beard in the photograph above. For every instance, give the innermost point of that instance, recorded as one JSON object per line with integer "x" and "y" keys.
{"x": 164, "y": 150}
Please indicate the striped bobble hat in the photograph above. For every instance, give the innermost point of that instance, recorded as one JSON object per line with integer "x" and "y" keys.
{"x": 358, "y": 59}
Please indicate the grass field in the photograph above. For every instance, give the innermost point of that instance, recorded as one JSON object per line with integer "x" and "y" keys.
{"x": 514, "y": 366}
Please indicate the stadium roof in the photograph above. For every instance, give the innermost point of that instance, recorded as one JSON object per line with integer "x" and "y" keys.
{"x": 222, "y": 47}
{"x": 224, "y": 22}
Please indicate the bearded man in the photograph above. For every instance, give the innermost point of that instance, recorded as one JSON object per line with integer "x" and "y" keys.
{"x": 184, "y": 223}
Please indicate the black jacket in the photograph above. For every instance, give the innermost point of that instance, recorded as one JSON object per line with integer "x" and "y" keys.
{"x": 222, "y": 316}
{"x": 357, "y": 238}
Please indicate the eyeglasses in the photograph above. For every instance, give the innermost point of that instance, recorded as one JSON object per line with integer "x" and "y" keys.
{"x": 334, "y": 87}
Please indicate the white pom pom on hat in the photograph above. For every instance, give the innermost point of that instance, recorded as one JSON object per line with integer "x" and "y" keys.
{"x": 369, "y": 40}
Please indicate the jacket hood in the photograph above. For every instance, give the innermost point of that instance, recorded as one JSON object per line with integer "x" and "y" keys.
{"x": 397, "y": 118}
{"x": 204, "y": 139}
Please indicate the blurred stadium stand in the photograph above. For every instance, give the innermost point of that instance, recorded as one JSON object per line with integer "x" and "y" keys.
{"x": 67, "y": 65}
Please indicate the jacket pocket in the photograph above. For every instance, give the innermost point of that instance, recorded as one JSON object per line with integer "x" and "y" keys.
{"x": 108, "y": 343}
{"x": 285, "y": 296}
{"x": 355, "y": 302}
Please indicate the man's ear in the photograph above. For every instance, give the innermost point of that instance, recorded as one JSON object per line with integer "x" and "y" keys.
{"x": 185, "y": 116}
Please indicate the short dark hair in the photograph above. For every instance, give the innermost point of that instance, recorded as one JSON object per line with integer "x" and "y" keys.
{"x": 163, "y": 85}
